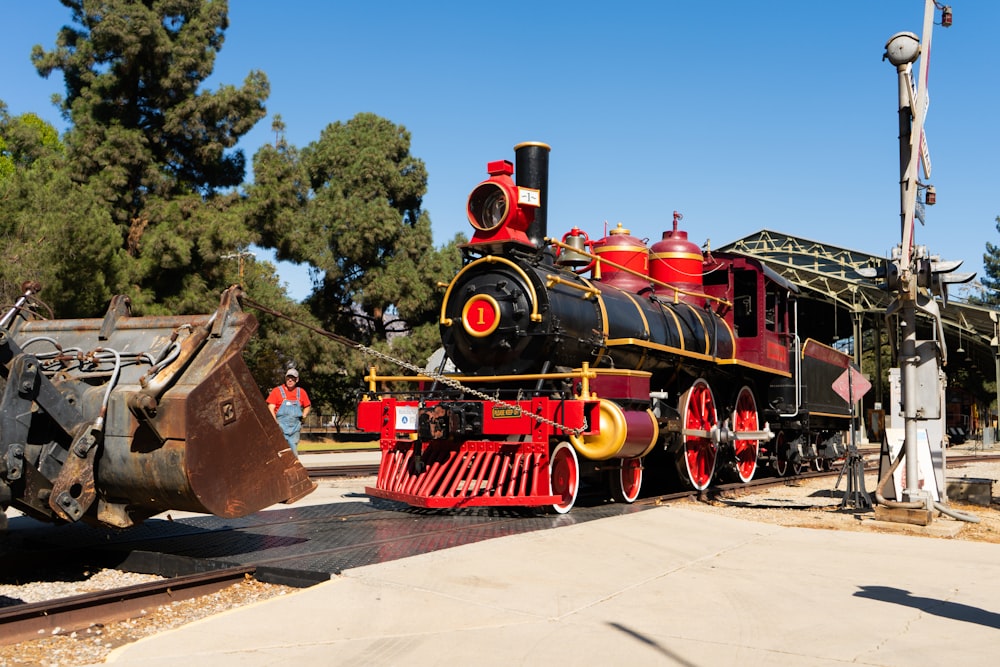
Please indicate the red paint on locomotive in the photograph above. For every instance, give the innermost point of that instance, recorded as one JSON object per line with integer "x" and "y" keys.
{"x": 498, "y": 210}
{"x": 676, "y": 266}
{"x": 620, "y": 249}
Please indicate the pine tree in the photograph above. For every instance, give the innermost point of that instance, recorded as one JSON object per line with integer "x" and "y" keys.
{"x": 53, "y": 230}
{"x": 349, "y": 205}
{"x": 991, "y": 267}
{"x": 152, "y": 144}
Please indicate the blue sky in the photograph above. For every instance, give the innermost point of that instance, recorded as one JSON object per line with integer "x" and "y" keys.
{"x": 742, "y": 116}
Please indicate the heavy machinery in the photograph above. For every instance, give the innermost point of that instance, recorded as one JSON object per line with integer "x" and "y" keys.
{"x": 110, "y": 421}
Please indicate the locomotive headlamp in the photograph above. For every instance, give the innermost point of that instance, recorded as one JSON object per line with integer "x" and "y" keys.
{"x": 498, "y": 209}
{"x": 488, "y": 206}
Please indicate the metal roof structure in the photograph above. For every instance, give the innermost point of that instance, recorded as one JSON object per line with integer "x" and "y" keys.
{"x": 819, "y": 267}
{"x": 830, "y": 273}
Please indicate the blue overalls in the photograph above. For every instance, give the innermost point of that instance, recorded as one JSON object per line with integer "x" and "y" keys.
{"x": 289, "y": 416}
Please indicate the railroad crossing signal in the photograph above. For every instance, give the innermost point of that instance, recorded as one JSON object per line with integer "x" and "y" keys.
{"x": 925, "y": 153}
{"x": 851, "y": 385}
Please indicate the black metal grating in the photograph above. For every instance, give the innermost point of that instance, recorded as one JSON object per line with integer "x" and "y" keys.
{"x": 317, "y": 539}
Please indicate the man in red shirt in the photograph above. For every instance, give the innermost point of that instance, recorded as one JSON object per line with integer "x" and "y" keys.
{"x": 289, "y": 403}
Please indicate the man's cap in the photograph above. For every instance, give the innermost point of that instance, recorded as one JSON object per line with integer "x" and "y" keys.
{"x": 292, "y": 373}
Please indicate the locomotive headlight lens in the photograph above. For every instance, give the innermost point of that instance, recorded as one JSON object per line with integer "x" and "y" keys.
{"x": 489, "y": 206}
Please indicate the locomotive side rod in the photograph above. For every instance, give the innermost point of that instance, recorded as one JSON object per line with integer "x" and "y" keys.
{"x": 725, "y": 434}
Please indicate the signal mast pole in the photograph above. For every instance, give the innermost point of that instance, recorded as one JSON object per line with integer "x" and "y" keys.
{"x": 902, "y": 50}
{"x": 913, "y": 275}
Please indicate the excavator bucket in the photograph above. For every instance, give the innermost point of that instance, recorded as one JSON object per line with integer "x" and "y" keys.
{"x": 114, "y": 420}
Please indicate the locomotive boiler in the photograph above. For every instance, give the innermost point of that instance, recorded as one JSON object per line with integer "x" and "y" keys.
{"x": 585, "y": 360}
{"x": 110, "y": 421}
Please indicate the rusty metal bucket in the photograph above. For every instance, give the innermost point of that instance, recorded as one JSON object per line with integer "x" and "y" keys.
{"x": 114, "y": 420}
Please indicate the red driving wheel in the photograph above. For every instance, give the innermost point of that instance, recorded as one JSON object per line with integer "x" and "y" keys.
{"x": 745, "y": 419}
{"x": 700, "y": 418}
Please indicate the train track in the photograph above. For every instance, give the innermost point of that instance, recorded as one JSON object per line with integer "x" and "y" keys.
{"x": 356, "y": 470}
{"x": 26, "y": 621}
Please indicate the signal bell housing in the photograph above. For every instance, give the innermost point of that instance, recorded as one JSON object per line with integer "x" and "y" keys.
{"x": 499, "y": 210}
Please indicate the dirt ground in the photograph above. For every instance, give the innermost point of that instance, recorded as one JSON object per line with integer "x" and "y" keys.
{"x": 818, "y": 503}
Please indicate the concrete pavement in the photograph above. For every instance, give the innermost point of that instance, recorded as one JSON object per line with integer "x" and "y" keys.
{"x": 667, "y": 586}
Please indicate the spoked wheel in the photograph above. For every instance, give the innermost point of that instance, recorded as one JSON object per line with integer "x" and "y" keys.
{"x": 698, "y": 455}
{"x": 626, "y": 482}
{"x": 745, "y": 451}
{"x": 564, "y": 477}
{"x": 780, "y": 455}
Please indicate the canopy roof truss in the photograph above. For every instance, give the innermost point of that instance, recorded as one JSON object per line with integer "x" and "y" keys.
{"x": 830, "y": 273}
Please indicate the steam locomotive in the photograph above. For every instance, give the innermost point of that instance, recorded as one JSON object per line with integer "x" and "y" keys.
{"x": 598, "y": 363}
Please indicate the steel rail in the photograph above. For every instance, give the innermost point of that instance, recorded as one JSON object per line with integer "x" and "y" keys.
{"x": 79, "y": 612}
{"x": 357, "y": 470}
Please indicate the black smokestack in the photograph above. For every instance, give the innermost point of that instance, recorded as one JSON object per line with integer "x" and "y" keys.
{"x": 531, "y": 169}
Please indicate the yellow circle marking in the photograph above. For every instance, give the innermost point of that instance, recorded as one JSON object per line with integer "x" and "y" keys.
{"x": 476, "y": 321}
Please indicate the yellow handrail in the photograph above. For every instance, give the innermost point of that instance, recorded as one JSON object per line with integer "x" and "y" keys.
{"x": 652, "y": 280}
{"x": 585, "y": 373}
{"x": 492, "y": 259}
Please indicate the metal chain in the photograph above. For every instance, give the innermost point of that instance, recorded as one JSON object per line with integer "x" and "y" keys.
{"x": 454, "y": 384}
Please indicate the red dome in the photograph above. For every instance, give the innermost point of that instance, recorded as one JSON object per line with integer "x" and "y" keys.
{"x": 624, "y": 250}
{"x": 678, "y": 262}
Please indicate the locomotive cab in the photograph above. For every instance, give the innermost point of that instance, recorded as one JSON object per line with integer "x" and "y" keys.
{"x": 760, "y": 314}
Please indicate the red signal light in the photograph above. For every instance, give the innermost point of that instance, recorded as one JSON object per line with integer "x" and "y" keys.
{"x": 946, "y": 16}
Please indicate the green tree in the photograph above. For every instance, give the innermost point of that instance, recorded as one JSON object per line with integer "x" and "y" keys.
{"x": 990, "y": 294}
{"x": 152, "y": 144}
{"x": 24, "y": 139}
{"x": 152, "y": 203}
{"x": 53, "y": 230}
{"x": 349, "y": 205}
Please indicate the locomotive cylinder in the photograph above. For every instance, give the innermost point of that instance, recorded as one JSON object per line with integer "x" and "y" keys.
{"x": 623, "y": 434}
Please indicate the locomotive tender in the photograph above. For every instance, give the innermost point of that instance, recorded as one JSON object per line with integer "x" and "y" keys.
{"x": 598, "y": 360}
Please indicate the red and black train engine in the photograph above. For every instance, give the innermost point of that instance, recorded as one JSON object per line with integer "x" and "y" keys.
{"x": 607, "y": 359}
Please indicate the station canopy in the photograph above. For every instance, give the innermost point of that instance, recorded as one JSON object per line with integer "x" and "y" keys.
{"x": 829, "y": 275}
